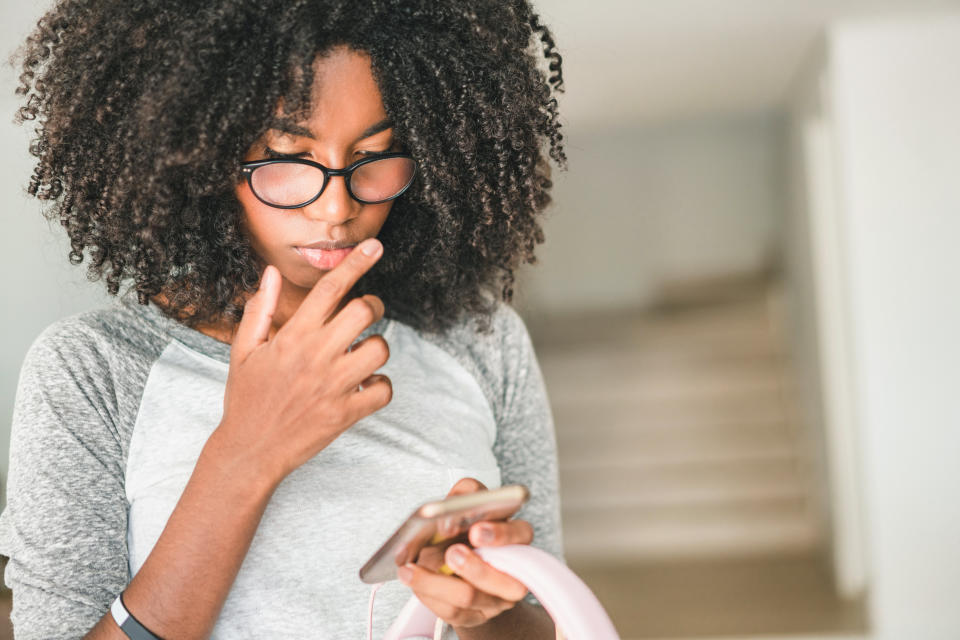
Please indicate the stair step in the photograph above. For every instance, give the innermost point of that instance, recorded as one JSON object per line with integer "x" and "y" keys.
{"x": 677, "y": 432}
{"x": 607, "y": 361}
{"x": 585, "y": 420}
{"x": 673, "y": 531}
{"x": 600, "y": 386}
{"x": 609, "y": 439}
{"x": 742, "y": 324}
{"x": 682, "y": 496}
{"x": 666, "y": 456}
{"x": 592, "y": 490}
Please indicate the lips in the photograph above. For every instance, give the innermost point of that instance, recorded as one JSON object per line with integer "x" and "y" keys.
{"x": 324, "y": 258}
{"x": 324, "y": 244}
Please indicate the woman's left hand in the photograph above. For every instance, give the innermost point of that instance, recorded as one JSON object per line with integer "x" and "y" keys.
{"x": 477, "y": 592}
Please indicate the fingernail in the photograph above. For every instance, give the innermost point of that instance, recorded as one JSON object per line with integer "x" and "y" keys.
{"x": 405, "y": 574}
{"x": 457, "y": 555}
{"x": 485, "y": 533}
{"x": 371, "y": 246}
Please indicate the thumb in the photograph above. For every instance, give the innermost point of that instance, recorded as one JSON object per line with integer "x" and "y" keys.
{"x": 257, "y": 317}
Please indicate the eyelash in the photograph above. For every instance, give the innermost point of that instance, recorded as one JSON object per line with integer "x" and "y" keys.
{"x": 270, "y": 153}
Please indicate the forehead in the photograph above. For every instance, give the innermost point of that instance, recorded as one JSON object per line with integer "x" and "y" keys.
{"x": 345, "y": 101}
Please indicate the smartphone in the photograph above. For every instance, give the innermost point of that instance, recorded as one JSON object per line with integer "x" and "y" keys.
{"x": 438, "y": 525}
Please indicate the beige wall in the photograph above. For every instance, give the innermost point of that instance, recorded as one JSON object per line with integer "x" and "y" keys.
{"x": 641, "y": 207}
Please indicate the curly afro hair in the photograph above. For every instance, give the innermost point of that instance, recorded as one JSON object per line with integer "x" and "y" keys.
{"x": 145, "y": 108}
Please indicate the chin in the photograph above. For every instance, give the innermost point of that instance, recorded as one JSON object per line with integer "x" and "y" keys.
{"x": 305, "y": 278}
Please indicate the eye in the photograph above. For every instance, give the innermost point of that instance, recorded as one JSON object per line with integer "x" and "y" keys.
{"x": 393, "y": 147}
{"x": 371, "y": 154}
{"x": 390, "y": 146}
{"x": 270, "y": 153}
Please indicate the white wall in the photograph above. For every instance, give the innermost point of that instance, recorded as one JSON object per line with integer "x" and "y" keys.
{"x": 641, "y": 207}
{"x": 819, "y": 322}
{"x": 41, "y": 284}
{"x": 896, "y": 101}
{"x": 877, "y": 251}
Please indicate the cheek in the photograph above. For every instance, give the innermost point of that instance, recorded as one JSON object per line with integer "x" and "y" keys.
{"x": 246, "y": 198}
{"x": 260, "y": 221}
{"x": 379, "y": 213}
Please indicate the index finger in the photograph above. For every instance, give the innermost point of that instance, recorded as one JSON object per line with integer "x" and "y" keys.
{"x": 334, "y": 285}
{"x": 466, "y": 485}
{"x": 491, "y": 533}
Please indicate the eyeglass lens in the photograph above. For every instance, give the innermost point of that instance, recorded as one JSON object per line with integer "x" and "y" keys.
{"x": 289, "y": 184}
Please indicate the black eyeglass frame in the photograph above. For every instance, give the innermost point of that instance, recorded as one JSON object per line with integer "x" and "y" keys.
{"x": 249, "y": 166}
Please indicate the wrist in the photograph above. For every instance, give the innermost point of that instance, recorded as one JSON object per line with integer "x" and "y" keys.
{"x": 523, "y": 620}
{"x": 248, "y": 474}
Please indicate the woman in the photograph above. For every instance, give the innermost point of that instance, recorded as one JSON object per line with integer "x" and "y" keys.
{"x": 303, "y": 193}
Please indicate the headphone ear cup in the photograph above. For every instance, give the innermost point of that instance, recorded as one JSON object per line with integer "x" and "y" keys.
{"x": 576, "y": 612}
{"x": 569, "y": 601}
{"x": 415, "y": 622}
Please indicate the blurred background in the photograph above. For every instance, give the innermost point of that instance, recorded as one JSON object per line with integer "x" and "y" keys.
{"x": 744, "y": 311}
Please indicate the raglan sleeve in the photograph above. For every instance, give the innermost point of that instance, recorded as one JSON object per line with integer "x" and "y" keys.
{"x": 525, "y": 445}
{"x": 65, "y": 522}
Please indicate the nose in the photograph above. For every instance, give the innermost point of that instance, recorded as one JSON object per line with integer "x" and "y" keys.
{"x": 334, "y": 205}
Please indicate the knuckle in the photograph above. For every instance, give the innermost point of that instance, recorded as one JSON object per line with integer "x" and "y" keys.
{"x": 526, "y": 530}
{"x": 375, "y": 302}
{"x": 339, "y": 415}
{"x": 518, "y": 592}
{"x": 387, "y": 393}
{"x": 447, "y": 612}
{"x": 362, "y": 310}
{"x": 281, "y": 342}
{"x": 471, "y": 484}
{"x": 382, "y": 352}
{"x": 465, "y": 598}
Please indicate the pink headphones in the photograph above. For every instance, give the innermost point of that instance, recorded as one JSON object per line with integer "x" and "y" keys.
{"x": 573, "y": 607}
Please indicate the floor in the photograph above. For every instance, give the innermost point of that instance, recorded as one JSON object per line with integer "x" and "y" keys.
{"x": 743, "y": 597}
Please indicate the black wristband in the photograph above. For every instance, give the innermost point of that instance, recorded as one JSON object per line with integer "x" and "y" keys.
{"x": 128, "y": 624}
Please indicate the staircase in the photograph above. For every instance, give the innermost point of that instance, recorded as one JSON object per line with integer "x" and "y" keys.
{"x": 677, "y": 433}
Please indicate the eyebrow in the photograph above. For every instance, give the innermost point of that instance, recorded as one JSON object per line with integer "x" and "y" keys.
{"x": 287, "y": 125}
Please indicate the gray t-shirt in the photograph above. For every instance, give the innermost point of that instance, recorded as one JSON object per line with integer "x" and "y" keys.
{"x": 114, "y": 405}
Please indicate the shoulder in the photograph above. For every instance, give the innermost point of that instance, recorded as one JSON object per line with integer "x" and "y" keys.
{"x": 495, "y": 338}
{"x": 497, "y": 352}
{"x": 90, "y": 366}
{"x": 99, "y": 339}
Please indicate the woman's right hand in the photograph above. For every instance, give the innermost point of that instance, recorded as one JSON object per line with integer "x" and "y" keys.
{"x": 289, "y": 397}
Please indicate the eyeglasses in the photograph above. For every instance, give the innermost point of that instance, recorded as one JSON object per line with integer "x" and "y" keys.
{"x": 291, "y": 183}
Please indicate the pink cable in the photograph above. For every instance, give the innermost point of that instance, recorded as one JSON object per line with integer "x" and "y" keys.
{"x": 373, "y": 594}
